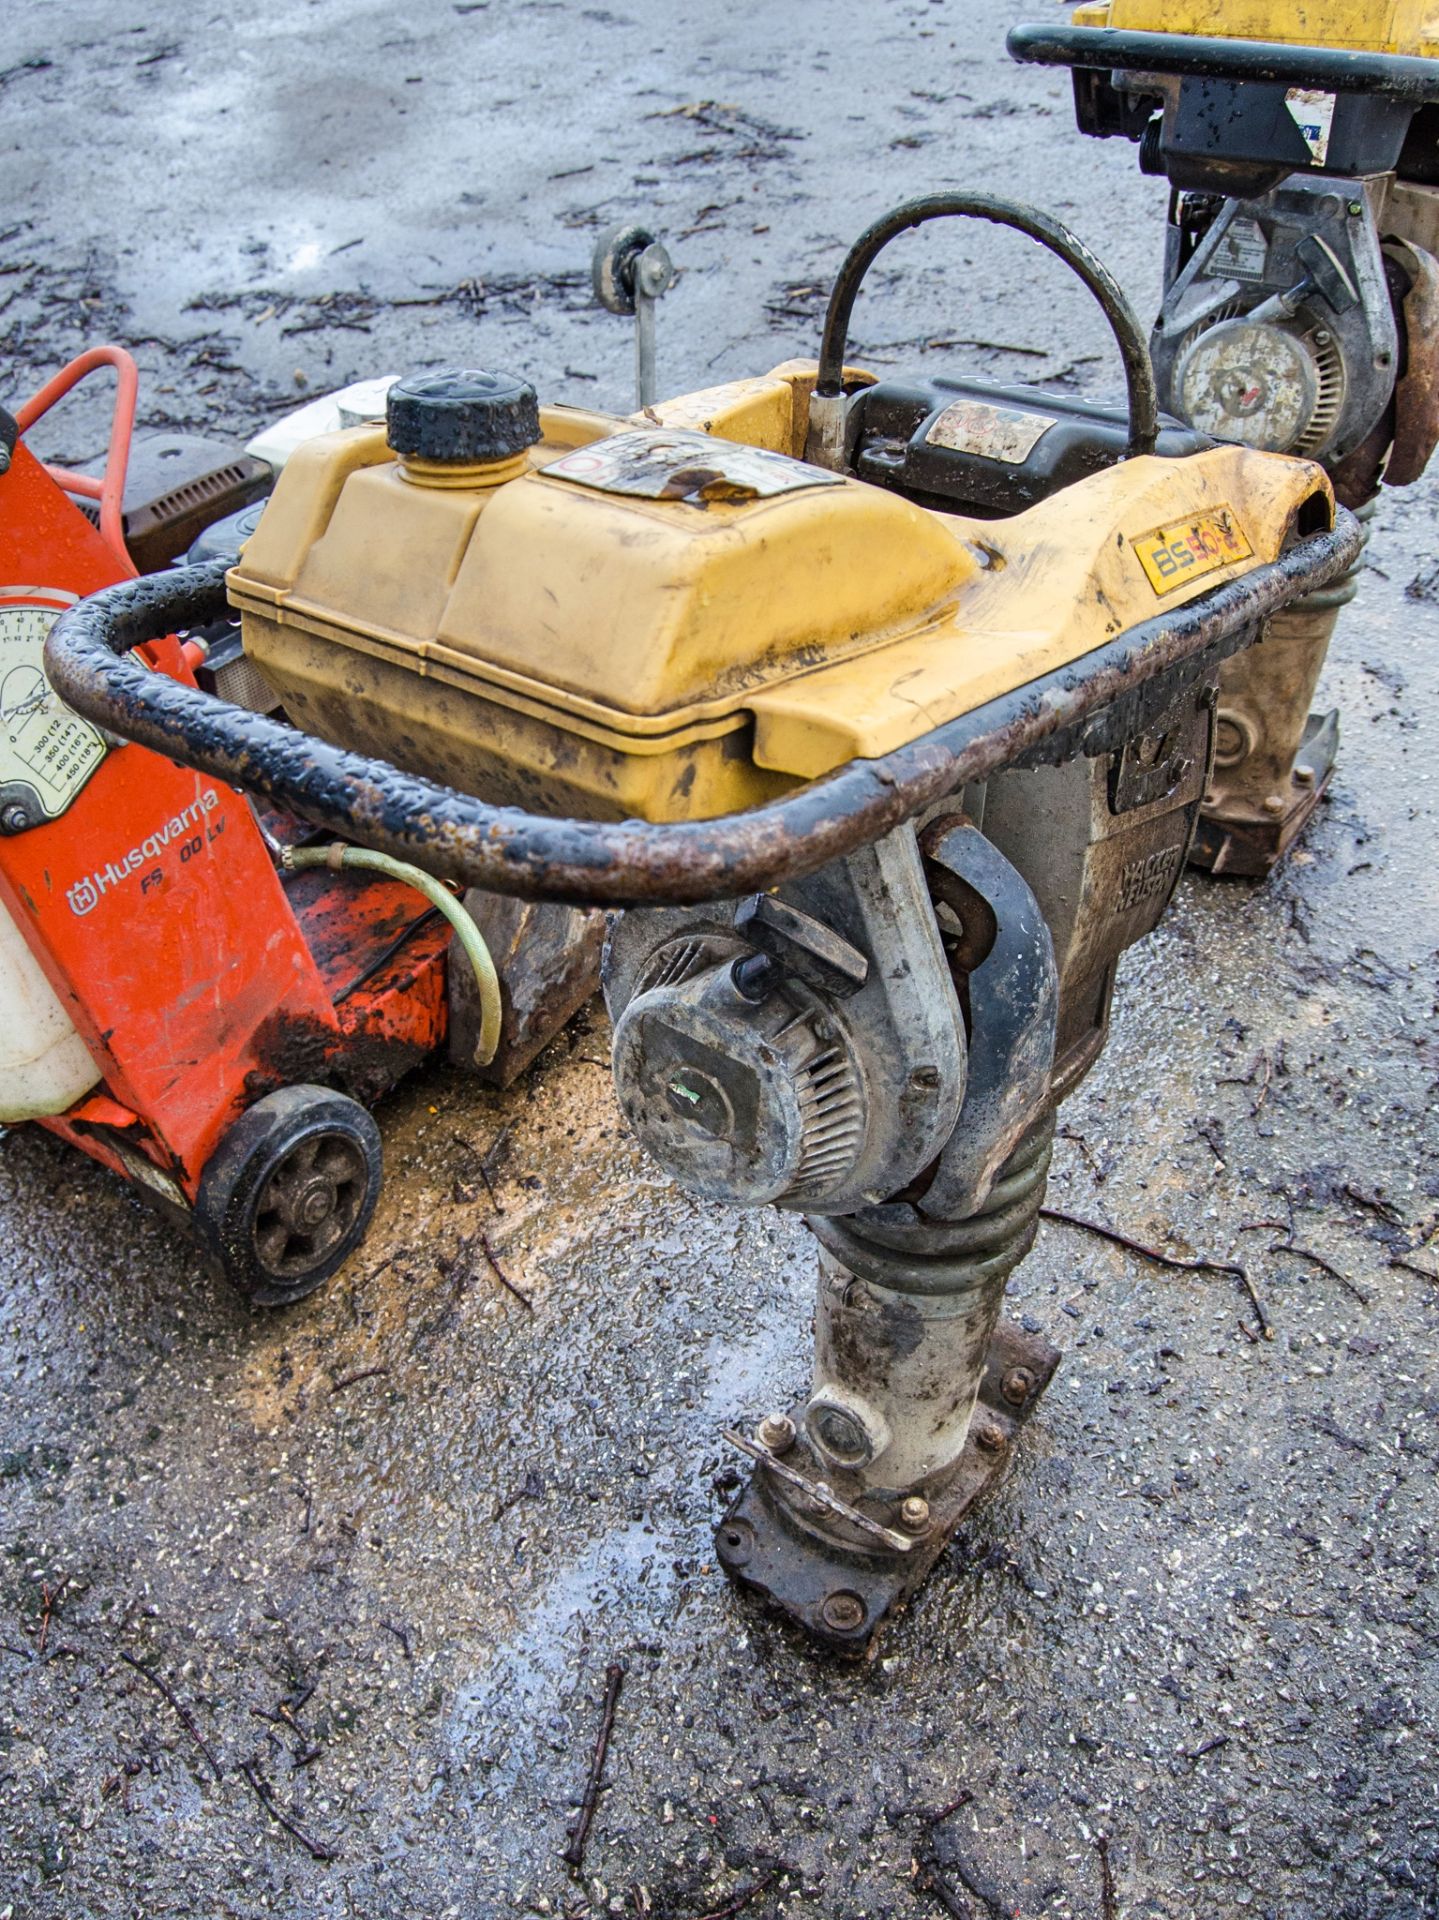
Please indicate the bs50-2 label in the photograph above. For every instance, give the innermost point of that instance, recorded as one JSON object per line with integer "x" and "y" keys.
{"x": 1172, "y": 556}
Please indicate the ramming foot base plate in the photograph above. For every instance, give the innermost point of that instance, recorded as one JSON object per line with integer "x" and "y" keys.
{"x": 1235, "y": 844}
{"x": 842, "y": 1595}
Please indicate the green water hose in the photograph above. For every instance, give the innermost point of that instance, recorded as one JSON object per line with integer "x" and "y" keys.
{"x": 298, "y": 859}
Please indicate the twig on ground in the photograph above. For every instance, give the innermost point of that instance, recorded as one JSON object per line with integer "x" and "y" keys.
{"x": 962, "y": 1799}
{"x": 1263, "y": 1070}
{"x": 353, "y": 1379}
{"x": 928, "y": 1879}
{"x": 1308, "y": 1253}
{"x": 328, "y": 324}
{"x": 532, "y": 1489}
{"x": 495, "y": 1200}
{"x": 1254, "y": 1112}
{"x": 1412, "y": 1266}
{"x": 744, "y": 1897}
{"x": 1210, "y": 1746}
{"x": 1374, "y": 1203}
{"x": 932, "y": 1879}
{"x": 315, "y": 1848}
{"x": 503, "y": 1278}
{"x": 482, "y": 1161}
{"x": 49, "y": 1601}
{"x": 187, "y": 1719}
{"x": 472, "y": 290}
{"x": 401, "y": 1634}
{"x": 1110, "y": 1906}
{"x": 1096, "y": 1166}
{"x": 574, "y": 1854}
{"x": 1168, "y": 1259}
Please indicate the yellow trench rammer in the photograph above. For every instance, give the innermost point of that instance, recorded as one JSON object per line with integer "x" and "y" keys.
{"x": 879, "y": 711}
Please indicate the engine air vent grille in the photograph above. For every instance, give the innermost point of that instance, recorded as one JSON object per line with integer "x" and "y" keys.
{"x": 677, "y": 961}
{"x": 1329, "y": 363}
{"x": 831, "y": 1105}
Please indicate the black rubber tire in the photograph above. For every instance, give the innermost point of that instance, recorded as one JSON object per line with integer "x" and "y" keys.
{"x": 288, "y": 1194}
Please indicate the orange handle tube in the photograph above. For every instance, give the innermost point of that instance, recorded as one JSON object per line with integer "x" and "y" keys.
{"x": 110, "y": 491}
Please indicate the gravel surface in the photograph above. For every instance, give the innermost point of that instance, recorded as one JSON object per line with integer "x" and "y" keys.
{"x": 309, "y": 1613}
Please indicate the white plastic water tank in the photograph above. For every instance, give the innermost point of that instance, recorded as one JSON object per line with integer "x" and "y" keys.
{"x": 45, "y": 1066}
{"x": 349, "y": 406}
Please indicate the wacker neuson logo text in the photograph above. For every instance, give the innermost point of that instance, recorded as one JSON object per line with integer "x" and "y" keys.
{"x": 86, "y": 893}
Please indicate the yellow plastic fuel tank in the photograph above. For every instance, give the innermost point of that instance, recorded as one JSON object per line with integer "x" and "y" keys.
{"x": 1390, "y": 26}
{"x": 673, "y": 617}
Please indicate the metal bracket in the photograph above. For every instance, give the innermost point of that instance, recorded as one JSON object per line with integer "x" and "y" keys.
{"x": 821, "y": 1494}
{"x": 1154, "y": 764}
{"x": 1230, "y": 842}
{"x": 629, "y": 271}
{"x": 801, "y": 945}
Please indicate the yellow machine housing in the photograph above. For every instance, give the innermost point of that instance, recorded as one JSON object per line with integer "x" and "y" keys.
{"x": 530, "y": 637}
{"x": 1394, "y": 26}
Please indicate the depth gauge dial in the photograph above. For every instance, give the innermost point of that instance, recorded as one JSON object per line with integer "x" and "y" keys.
{"x": 47, "y": 752}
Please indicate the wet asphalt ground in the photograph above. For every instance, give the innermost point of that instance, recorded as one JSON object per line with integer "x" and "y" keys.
{"x": 364, "y": 1564}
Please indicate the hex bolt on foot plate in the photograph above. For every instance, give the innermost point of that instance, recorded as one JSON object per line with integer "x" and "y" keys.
{"x": 842, "y": 1595}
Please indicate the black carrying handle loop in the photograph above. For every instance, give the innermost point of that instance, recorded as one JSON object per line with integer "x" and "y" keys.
{"x": 1129, "y": 336}
{"x": 1200, "y": 56}
{"x": 626, "y": 863}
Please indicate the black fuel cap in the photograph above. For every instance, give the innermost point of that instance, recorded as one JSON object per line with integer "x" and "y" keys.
{"x": 462, "y": 414}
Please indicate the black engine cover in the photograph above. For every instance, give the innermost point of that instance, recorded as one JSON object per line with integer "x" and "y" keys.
{"x": 974, "y": 447}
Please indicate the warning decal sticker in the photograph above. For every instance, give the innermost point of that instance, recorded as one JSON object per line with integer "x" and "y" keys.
{"x": 1241, "y": 253}
{"x": 998, "y": 433}
{"x": 691, "y": 467}
{"x": 1313, "y": 114}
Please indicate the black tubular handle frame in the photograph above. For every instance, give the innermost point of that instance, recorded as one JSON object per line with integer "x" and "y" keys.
{"x": 1202, "y": 57}
{"x": 1087, "y": 706}
{"x": 1050, "y": 233}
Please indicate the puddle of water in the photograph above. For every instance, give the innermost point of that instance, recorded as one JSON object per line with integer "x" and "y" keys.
{"x": 512, "y": 1720}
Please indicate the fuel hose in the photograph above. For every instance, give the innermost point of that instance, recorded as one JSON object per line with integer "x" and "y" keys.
{"x": 472, "y": 941}
{"x": 1143, "y": 398}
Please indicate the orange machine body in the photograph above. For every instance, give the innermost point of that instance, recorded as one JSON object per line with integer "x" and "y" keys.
{"x": 197, "y": 977}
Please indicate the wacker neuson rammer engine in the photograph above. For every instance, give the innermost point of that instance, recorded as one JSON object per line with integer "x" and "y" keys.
{"x": 1300, "y": 141}
{"x": 880, "y": 711}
